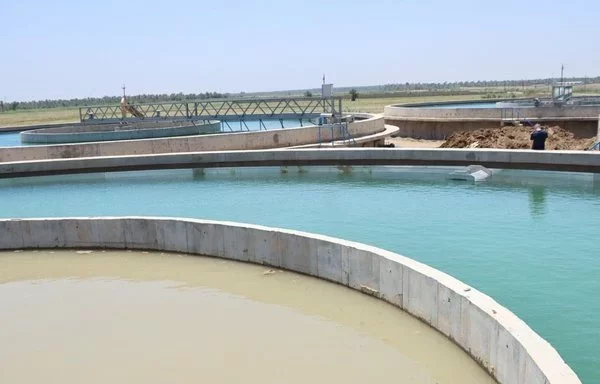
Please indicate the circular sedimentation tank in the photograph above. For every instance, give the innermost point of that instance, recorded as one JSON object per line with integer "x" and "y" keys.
{"x": 121, "y": 131}
{"x": 439, "y": 120}
{"x": 517, "y": 236}
{"x": 100, "y": 316}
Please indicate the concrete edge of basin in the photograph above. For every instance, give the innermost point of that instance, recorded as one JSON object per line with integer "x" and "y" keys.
{"x": 571, "y": 161}
{"x": 246, "y": 140}
{"x": 440, "y": 120}
{"x": 115, "y": 132}
{"x": 368, "y": 140}
{"x": 495, "y": 337}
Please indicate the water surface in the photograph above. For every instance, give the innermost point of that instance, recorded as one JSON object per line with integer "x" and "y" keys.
{"x": 12, "y": 139}
{"x": 528, "y": 239}
{"x": 133, "y": 317}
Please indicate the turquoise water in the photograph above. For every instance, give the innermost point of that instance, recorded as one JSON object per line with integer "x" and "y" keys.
{"x": 477, "y": 105}
{"x": 517, "y": 103}
{"x": 530, "y": 240}
{"x": 461, "y": 105}
{"x": 254, "y": 125}
{"x": 12, "y": 139}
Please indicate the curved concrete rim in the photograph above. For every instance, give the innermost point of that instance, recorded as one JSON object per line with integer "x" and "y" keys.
{"x": 455, "y": 102}
{"x": 428, "y": 111}
{"x": 486, "y": 101}
{"x": 365, "y": 125}
{"x": 570, "y": 161}
{"x": 113, "y": 132}
{"x": 495, "y": 337}
{"x": 439, "y": 120}
{"x": 389, "y": 130}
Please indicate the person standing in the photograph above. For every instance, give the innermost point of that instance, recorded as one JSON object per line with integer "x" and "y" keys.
{"x": 538, "y": 136}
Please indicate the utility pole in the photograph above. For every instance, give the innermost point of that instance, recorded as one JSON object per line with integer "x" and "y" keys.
{"x": 123, "y": 104}
{"x": 562, "y": 70}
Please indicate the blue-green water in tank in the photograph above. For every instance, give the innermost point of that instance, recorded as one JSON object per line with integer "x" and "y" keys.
{"x": 12, "y": 139}
{"x": 528, "y": 239}
{"x": 479, "y": 104}
{"x": 460, "y": 105}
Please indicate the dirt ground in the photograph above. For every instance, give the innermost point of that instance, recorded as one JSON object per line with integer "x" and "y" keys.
{"x": 515, "y": 138}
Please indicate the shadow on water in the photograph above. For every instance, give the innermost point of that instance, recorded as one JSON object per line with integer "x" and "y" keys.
{"x": 537, "y": 201}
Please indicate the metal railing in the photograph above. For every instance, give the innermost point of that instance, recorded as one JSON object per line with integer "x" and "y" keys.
{"x": 341, "y": 124}
{"x": 510, "y": 114}
{"x": 222, "y": 109}
{"x": 595, "y": 146}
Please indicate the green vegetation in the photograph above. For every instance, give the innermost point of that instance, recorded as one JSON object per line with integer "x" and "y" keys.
{"x": 495, "y": 89}
{"x": 362, "y": 104}
{"x": 39, "y": 116}
{"x": 108, "y": 100}
{"x": 376, "y": 104}
{"x": 372, "y": 98}
{"x": 466, "y": 85}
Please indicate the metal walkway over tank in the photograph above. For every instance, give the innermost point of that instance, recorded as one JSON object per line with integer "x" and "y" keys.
{"x": 298, "y": 108}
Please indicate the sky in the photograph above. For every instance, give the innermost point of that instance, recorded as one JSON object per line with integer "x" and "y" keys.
{"x": 74, "y": 49}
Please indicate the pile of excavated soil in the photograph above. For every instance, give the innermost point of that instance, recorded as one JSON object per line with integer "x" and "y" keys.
{"x": 514, "y": 138}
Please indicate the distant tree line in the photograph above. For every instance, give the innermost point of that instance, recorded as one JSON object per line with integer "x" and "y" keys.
{"x": 108, "y": 100}
{"x": 481, "y": 84}
{"x": 399, "y": 89}
{"x": 419, "y": 93}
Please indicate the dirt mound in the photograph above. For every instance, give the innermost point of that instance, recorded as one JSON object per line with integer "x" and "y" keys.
{"x": 514, "y": 138}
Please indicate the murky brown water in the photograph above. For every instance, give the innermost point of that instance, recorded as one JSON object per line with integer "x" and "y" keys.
{"x": 133, "y": 317}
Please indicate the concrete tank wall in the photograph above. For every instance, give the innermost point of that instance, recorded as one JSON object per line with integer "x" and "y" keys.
{"x": 113, "y": 132}
{"x": 502, "y": 343}
{"x": 288, "y": 137}
{"x": 436, "y": 129}
{"x": 571, "y": 161}
{"x": 413, "y": 111}
{"x": 20, "y": 128}
{"x": 438, "y": 123}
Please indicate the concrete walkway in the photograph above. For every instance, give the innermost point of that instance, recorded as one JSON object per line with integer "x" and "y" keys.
{"x": 574, "y": 161}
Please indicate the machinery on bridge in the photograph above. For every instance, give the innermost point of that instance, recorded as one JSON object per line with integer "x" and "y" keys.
{"x": 128, "y": 108}
{"x": 224, "y": 110}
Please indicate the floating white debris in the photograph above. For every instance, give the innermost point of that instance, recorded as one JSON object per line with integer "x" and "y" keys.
{"x": 472, "y": 173}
